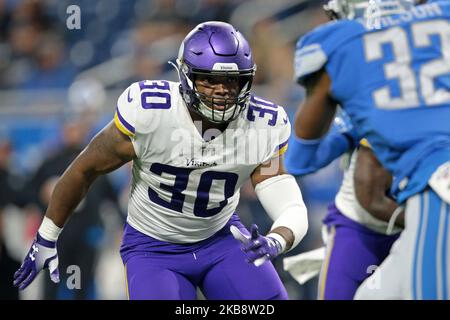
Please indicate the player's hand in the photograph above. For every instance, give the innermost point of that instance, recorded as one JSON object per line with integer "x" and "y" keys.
{"x": 42, "y": 255}
{"x": 258, "y": 248}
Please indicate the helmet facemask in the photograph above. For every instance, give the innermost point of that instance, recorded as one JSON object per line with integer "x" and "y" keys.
{"x": 222, "y": 108}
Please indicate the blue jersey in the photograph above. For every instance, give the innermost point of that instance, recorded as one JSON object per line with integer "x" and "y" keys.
{"x": 394, "y": 83}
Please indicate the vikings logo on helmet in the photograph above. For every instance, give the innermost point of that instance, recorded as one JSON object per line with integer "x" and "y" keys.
{"x": 215, "y": 49}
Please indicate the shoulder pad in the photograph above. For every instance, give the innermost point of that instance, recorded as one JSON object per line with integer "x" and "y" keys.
{"x": 315, "y": 48}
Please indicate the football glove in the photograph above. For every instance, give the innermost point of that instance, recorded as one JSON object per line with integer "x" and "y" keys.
{"x": 258, "y": 248}
{"x": 42, "y": 255}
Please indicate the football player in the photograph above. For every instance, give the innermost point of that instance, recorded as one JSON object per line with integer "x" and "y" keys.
{"x": 357, "y": 234}
{"x": 193, "y": 144}
{"x": 386, "y": 64}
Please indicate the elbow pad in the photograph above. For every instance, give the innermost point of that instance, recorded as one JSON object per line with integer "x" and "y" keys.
{"x": 282, "y": 199}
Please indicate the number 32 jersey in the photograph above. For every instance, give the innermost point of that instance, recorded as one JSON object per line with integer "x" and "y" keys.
{"x": 392, "y": 77}
{"x": 185, "y": 187}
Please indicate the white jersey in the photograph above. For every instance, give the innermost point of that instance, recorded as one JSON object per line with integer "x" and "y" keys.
{"x": 185, "y": 189}
{"x": 349, "y": 206}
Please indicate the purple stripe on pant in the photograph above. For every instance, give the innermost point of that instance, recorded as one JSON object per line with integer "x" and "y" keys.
{"x": 161, "y": 270}
{"x": 353, "y": 251}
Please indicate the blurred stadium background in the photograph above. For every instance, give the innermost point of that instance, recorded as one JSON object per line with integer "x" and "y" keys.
{"x": 58, "y": 87}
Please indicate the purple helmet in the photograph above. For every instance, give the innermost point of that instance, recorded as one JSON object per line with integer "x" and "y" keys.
{"x": 215, "y": 49}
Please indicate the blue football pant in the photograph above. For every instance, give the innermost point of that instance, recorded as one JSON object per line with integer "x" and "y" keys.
{"x": 418, "y": 266}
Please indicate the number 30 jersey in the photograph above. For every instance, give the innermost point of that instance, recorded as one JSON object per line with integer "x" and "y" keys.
{"x": 392, "y": 77}
{"x": 185, "y": 187}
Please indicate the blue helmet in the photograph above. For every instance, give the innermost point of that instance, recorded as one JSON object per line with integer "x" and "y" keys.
{"x": 215, "y": 49}
{"x": 367, "y": 9}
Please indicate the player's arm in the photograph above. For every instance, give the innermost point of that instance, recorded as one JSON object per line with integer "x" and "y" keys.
{"x": 372, "y": 183}
{"x": 307, "y": 156}
{"x": 311, "y": 147}
{"x": 109, "y": 150}
{"x": 315, "y": 114}
{"x": 309, "y": 150}
{"x": 281, "y": 197}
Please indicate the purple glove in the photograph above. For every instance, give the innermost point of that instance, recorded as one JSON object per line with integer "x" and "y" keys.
{"x": 42, "y": 255}
{"x": 257, "y": 247}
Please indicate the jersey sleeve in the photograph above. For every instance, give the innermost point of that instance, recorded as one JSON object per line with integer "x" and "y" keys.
{"x": 308, "y": 156}
{"x": 127, "y": 109}
{"x": 281, "y": 133}
{"x": 313, "y": 51}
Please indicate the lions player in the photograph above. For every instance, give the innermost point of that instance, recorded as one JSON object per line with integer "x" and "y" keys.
{"x": 358, "y": 236}
{"x": 193, "y": 144}
{"x": 386, "y": 63}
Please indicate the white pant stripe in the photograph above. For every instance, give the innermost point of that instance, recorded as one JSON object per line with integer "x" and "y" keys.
{"x": 439, "y": 257}
{"x": 447, "y": 271}
{"x": 418, "y": 275}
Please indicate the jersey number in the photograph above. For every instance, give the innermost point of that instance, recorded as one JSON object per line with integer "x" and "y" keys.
{"x": 204, "y": 186}
{"x": 401, "y": 69}
{"x": 155, "y": 99}
{"x": 262, "y": 107}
